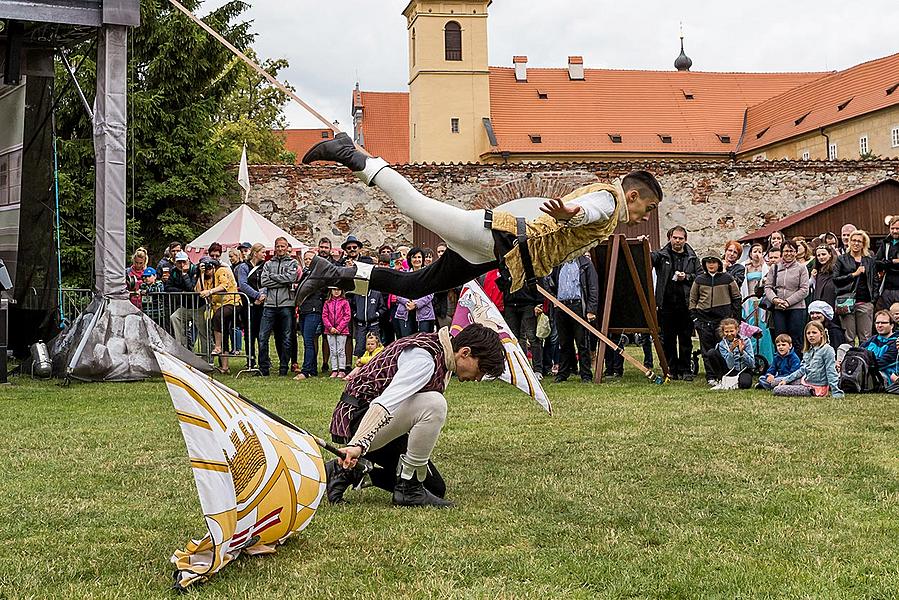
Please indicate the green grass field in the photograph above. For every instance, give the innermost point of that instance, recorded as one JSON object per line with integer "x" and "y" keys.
{"x": 629, "y": 491}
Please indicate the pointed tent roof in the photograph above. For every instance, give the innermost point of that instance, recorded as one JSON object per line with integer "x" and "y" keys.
{"x": 243, "y": 225}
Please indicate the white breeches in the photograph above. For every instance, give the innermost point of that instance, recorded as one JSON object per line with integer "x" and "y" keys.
{"x": 422, "y": 417}
{"x": 462, "y": 230}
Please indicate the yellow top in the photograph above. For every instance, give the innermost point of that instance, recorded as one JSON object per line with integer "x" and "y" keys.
{"x": 367, "y": 356}
{"x": 222, "y": 278}
{"x": 552, "y": 243}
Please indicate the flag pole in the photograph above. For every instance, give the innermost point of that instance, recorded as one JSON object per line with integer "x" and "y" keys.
{"x": 659, "y": 379}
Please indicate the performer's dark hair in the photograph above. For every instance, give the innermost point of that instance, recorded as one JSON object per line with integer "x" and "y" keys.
{"x": 485, "y": 346}
{"x": 644, "y": 182}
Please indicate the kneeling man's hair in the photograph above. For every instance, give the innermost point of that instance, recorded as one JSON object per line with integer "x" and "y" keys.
{"x": 644, "y": 182}
{"x": 485, "y": 346}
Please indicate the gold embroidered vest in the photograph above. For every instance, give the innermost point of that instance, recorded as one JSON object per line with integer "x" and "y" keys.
{"x": 552, "y": 243}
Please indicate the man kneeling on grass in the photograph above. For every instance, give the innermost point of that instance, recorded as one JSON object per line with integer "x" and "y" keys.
{"x": 393, "y": 409}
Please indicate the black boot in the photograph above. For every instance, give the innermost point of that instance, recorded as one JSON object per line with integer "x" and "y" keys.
{"x": 341, "y": 149}
{"x": 412, "y": 492}
{"x": 340, "y": 480}
{"x": 321, "y": 274}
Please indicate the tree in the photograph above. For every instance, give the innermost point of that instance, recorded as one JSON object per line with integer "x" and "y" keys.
{"x": 253, "y": 113}
{"x": 185, "y": 130}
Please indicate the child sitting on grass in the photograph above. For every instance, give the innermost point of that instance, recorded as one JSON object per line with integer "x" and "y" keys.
{"x": 373, "y": 347}
{"x": 734, "y": 351}
{"x": 786, "y": 361}
{"x": 817, "y": 374}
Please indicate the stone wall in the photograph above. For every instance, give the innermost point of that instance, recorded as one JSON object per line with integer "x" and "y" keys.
{"x": 715, "y": 201}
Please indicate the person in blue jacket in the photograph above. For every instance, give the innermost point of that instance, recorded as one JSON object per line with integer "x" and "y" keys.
{"x": 786, "y": 361}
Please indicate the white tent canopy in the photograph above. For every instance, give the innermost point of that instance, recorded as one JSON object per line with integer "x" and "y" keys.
{"x": 242, "y": 225}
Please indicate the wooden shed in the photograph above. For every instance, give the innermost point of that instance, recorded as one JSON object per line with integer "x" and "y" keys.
{"x": 865, "y": 208}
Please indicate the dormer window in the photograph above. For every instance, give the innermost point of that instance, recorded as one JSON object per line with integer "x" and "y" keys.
{"x": 452, "y": 40}
{"x": 535, "y": 138}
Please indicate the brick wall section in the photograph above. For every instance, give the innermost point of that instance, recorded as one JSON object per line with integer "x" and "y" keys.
{"x": 715, "y": 201}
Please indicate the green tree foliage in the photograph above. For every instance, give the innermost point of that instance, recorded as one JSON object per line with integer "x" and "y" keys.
{"x": 191, "y": 107}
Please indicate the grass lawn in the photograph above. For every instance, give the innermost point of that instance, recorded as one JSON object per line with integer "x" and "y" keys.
{"x": 630, "y": 490}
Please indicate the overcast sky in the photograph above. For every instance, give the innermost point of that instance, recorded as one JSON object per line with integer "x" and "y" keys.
{"x": 331, "y": 44}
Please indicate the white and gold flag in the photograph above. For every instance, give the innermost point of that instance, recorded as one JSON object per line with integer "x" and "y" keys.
{"x": 259, "y": 481}
{"x": 475, "y": 306}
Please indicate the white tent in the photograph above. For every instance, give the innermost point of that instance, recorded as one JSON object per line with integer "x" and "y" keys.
{"x": 242, "y": 225}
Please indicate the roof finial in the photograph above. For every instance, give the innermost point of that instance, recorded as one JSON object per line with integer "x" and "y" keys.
{"x": 682, "y": 62}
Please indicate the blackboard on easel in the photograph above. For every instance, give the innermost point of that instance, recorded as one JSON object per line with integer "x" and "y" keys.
{"x": 626, "y": 295}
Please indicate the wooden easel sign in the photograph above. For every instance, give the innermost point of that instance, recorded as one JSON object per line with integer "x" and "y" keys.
{"x": 625, "y": 274}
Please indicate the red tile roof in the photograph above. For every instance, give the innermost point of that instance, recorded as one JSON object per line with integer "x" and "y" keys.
{"x": 385, "y": 124}
{"x": 866, "y": 88}
{"x": 299, "y": 141}
{"x": 640, "y": 106}
{"x": 770, "y": 228}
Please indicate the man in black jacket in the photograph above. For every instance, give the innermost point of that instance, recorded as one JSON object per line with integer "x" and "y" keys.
{"x": 576, "y": 284}
{"x": 367, "y": 310}
{"x": 521, "y": 310}
{"x": 188, "y": 317}
{"x": 676, "y": 265}
{"x": 887, "y": 259}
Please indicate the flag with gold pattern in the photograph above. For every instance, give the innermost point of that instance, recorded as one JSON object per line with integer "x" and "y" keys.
{"x": 259, "y": 481}
{"x": 475, "y": 306}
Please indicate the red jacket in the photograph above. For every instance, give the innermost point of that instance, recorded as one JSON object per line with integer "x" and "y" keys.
{"x": 491, "y": 289}
{"x": 336, "y": 314}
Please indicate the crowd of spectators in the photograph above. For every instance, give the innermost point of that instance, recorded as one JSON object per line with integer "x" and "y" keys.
{"x": 770, "y": 304}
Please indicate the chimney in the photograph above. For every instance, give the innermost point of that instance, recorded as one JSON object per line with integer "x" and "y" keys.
{"x": 576, "y": 68}
{"x": 521, "y": 67}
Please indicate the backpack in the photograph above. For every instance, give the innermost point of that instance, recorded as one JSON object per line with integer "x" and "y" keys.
{"x": 857, "y": 375}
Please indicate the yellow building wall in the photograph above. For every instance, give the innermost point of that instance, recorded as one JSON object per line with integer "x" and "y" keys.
{"x": 877, "y": 126}
{"x": 442, "y": 90}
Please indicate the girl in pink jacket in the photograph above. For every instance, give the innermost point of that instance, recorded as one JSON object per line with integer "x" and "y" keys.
{"x": 336, "y": 321}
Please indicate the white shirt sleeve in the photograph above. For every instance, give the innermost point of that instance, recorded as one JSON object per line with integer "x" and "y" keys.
{"x": 597, "y": 206}
{"x": 415, "y": 368}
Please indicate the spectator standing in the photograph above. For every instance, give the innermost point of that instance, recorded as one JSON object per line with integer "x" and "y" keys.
{"x": 351, "y": 247}
{"x": 775, "y": 241}
{"x": 188, "y": 316}
{"x": 853, "y": 276}
{"x": 415, "y": 316}
{"x": 786, "y": 288}
{"x": 134, "y": 276}
{"x": 249, "y": 274}
{"x": 218, "y": 287}
{"x": 309, "y": 326}
{"x": 168, "y": 257}
{"x": 324, "y": 248}
{"x": 278, "y": 276}
{"x": 887, "y": 260}
{"x": 714, "y": 297}
{"x": 845, "y": 231}
{"x": 676, "y": 265}
{"x": 367, "y": 310}
{"x": 821, "y": 277}
{"x": 733, "y": 251}
{"x": 752, "y": 291}
{"x": 235, "y": 256}
{"x": 245, "y": 248}
{"x": 521, "y": 311}
{"x": 336, "y": 321}
{"x": 577, "y": 286}
{"x": 772, "y": 257}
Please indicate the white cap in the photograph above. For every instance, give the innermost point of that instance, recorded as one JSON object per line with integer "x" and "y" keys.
{"x": 181, "y": 256}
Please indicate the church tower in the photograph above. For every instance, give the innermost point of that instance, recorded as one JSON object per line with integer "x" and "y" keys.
{"x": 449, "y": 81}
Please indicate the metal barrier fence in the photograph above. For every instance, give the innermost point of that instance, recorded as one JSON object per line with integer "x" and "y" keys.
{"x": 73, "y": 302}
{"x": 217, "y": 328}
